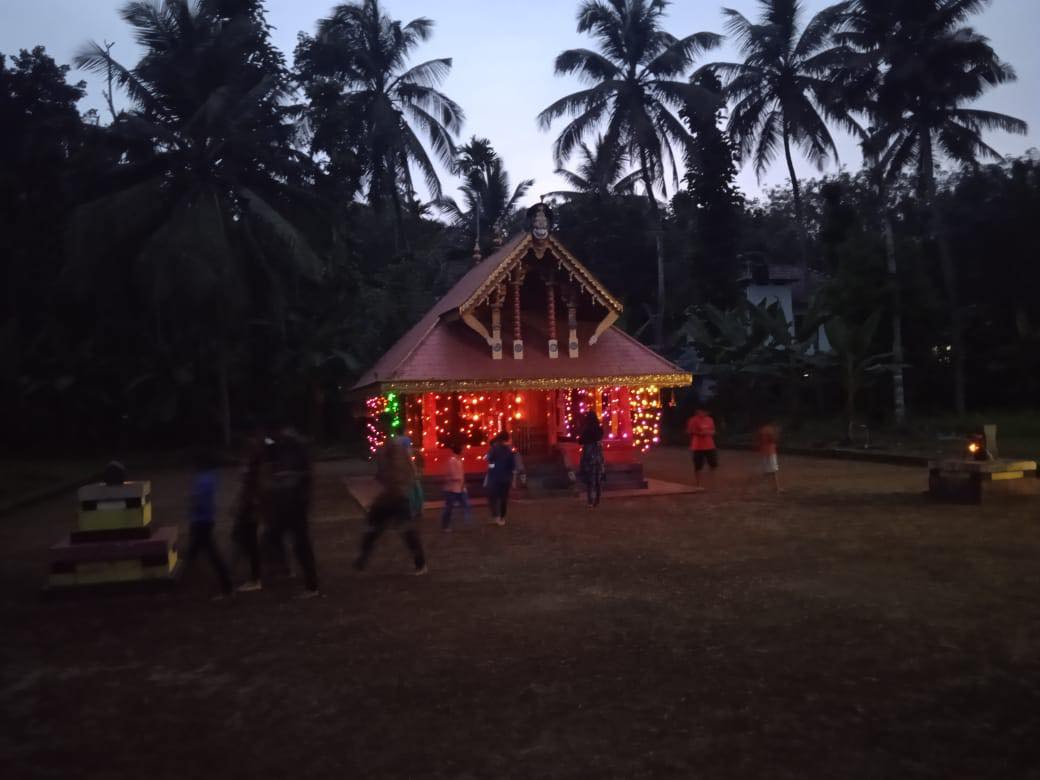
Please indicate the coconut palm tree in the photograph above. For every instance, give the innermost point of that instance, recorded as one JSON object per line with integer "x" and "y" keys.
{"x": 489, "y": 200}
{"x": 637, "y": 81}
{"x": 918, "y": 68}
{"x": 198, "y": 207}
{"x": 600, "y": 172}
{"x": 781, "y": 94}
{"x": 369, "y": 105}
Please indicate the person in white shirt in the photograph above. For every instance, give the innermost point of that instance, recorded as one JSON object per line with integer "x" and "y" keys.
{"x": 455, "y": 490}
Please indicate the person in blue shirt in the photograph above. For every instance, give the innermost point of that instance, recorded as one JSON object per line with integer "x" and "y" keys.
{"x": 203, "y": 511}
{"x": 502, "y": 465}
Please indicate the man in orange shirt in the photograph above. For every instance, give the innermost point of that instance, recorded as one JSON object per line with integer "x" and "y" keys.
{"x": 701, "y": 429}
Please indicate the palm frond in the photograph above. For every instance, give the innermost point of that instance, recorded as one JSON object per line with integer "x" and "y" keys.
{"x": 990, "y": 121}
{"x": 304, "y": 259}
{"x": 821, "y": 29}
{"x": 679, "y": 56}
{"x": 767, "y": 143}
{"x": 575, "y": 103}
{"x": 588, "y": 65}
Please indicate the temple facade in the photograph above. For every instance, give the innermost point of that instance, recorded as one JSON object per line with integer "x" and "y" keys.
{"x": 524, "y": 342}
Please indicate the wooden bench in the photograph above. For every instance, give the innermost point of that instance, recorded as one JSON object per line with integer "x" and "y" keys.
{"x": 962, "y": 480}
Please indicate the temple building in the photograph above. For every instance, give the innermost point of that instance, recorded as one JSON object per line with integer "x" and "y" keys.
{"x": 524, "y": 342}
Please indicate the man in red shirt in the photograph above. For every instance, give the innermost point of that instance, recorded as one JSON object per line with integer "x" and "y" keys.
{"x": 701, "y": 429}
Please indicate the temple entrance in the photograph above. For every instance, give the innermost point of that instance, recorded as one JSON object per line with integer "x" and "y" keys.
{"x": 531, "y": 431}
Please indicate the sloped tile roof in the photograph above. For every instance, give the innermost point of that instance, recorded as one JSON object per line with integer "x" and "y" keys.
{"x": 441, "y": 353}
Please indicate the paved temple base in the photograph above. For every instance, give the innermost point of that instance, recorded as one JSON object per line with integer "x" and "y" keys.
{"x": 365, "y": 489}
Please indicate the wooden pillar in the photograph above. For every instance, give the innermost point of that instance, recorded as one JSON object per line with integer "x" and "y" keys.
{"x": 615, "y": 412}
{"x": 572, "y": 326}
{"x": 518, "y": 333}
{"x": 550, "y": 295}
{"x": 562, "y": 399}
{"x": 429, "y": 423}
{"x": 552, "y": 417}
{"x": 496, "y": 321}
{"x": 626, "y": 414}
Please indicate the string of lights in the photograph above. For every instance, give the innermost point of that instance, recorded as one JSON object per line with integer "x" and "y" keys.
{"x": 645, "y": 407}
{"x": 473, "y": 419}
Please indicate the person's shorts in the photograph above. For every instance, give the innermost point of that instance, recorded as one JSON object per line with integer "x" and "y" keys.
{"x": 700, "y": 457}
{"x": 770, "y": 464}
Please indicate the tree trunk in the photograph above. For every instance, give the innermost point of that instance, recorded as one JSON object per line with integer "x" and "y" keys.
{"x": 851, "y": 388}
{"x": 796, "y": 191}
{"x": 937, "y": 233}
{"x": 659, "y": 323}
{"x": 898, "y": 393}
{"x": 658, "y": 228}
{"x": 224, "y": 395}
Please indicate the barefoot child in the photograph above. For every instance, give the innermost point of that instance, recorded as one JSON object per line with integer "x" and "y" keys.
{"x": 768, "y": 437}
{"x": 203, "y": 510}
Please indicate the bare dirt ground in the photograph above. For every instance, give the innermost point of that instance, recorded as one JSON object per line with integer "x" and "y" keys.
{"x": 848, "y": 629}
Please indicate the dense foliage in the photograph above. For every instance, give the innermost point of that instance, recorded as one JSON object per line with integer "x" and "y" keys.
{"x": 245, "y": 237}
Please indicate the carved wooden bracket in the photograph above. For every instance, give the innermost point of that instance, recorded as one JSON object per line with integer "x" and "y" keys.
{"x": 604, "y": 323}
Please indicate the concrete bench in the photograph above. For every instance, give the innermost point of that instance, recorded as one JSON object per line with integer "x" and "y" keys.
{"x": 962, "y": 480}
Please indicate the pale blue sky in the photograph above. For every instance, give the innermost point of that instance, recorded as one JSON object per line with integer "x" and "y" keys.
{"x": 503, "y": 61}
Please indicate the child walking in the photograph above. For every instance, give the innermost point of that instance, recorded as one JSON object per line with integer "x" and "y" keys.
{"x": 768, "y": 437}
{"x": 203, "y": 519}
{"x": 455, "y": 490}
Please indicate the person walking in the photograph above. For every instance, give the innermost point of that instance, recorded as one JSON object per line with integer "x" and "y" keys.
{"x": 701, "y": 430}
{"x": 593, "y": 466}
{"x": 203, "y": 520}
{"x": 767, "y": 439}
{"x": 455, "y": 490}
{"x": 250, "y": 510}
{"x": 502, "y": 465}
{"x": 393, "y": 507}
{"x": 290, "y": 498}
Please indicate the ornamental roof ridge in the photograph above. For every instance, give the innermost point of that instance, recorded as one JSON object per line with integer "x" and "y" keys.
{"x": 505, "y": 265}
{"x": 590, "y": 279}
{"x": 497, "y": 274}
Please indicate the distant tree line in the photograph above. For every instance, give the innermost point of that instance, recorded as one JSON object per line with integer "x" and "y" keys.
{"x": 246, "y": 235}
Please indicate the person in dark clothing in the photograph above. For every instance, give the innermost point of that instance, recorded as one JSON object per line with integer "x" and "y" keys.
{"x": 501, "y": 462}
{"x": 203, "y": 519}
{"x": 593, "y": 467}
{"x": 251, "y": 506}
{"x": 290, "y": 494}
{"x": 393, "y": 507}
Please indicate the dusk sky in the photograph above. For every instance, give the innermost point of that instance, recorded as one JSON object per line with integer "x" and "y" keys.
{"x": 503, "y": 61}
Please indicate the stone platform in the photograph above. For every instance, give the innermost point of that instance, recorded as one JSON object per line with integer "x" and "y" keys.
{"x": 114, "y": 540}
{"x": 966, "y": 481}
